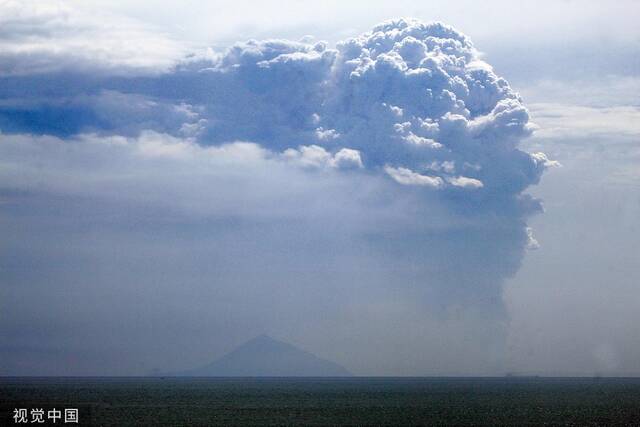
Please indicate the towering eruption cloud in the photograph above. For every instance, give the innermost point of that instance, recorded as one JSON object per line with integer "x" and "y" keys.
{"x": 413, "y": 99}
{"x": 374, "y": 190}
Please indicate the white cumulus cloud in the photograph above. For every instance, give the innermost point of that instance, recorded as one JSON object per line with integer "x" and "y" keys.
{"x": 408, "y": 177}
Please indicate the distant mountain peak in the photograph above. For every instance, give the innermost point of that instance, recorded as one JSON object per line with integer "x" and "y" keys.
{"x": 266, "y": 356}
{"x": 262, "y": 338}
{"x": 265, "y": 342}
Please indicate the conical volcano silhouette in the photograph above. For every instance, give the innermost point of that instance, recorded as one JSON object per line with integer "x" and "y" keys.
{"x": 264, "y": 356}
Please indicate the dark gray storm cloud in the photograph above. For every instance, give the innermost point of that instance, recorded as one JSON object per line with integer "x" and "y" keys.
{"x": 365, "y": 201}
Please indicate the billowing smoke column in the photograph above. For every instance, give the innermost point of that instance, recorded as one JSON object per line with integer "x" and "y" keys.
{"x": 356, "y": 197}
{"x": 409, "y": 99}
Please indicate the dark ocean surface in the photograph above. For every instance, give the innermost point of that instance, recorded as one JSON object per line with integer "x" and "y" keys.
{"x": 329, "y": 401}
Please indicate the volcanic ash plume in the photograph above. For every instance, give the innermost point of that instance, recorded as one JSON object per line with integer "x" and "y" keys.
{"x": 374, "y": 189}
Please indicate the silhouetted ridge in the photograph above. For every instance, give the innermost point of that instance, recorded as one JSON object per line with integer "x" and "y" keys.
{"x": 264, "y": 356}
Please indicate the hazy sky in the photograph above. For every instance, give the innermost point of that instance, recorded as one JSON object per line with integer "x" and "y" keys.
{"x": 381, "y": 200}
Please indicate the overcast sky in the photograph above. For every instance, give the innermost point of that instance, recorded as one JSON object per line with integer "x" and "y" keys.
{"x": 402, "y": 198}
